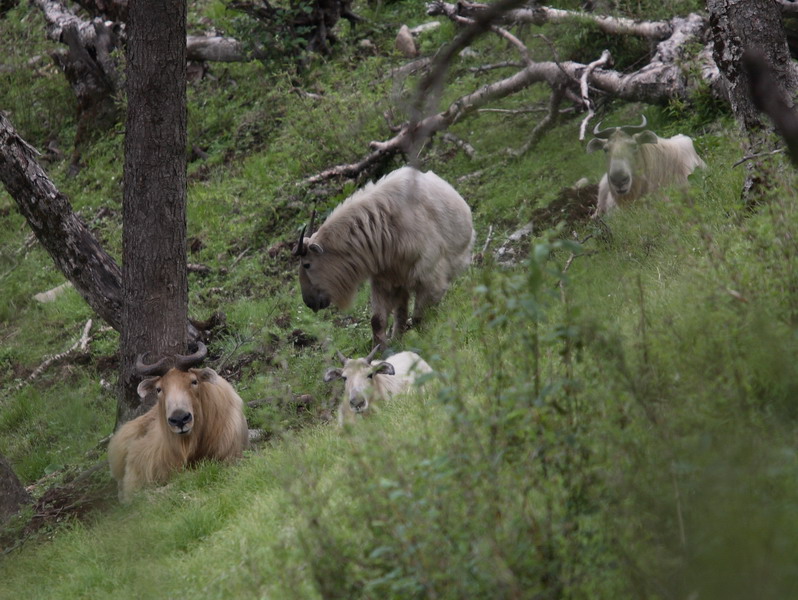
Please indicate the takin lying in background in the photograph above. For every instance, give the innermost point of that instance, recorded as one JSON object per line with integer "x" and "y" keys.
{"x": 639, "y": 163}
{"x": 367, "y": 382}
{"x": 197, "y": 415}
{"x": 410, "y": 234}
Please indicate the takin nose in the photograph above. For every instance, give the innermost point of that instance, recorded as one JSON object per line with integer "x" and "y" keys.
{"x": 179, "y": 419}
{"x": 622, "y": 182}
{"x": 316, "y": 302}
{"x": 358, "y": 405}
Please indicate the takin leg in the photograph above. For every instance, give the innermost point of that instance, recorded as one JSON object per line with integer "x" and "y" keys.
{"x": 380, "y": 309}
{"x": 427, "y": 295}
{"x": 400, "y": 314}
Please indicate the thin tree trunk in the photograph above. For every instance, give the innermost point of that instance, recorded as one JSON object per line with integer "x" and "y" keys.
{"x": 155, "y": 307}
{"x": 76, "y": 252}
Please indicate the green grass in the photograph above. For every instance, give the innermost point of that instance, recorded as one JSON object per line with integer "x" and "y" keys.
{"x": 627, "y": 434}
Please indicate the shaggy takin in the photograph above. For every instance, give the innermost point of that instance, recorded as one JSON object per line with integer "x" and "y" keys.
{"x": 369, "y": 382}
{"x": 197, "y": 415}
{"x": 410, "y": 233}
{"x": 639, "y": 163}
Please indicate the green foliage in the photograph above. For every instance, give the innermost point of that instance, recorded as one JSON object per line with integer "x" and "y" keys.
{"x": 610, "y": 419}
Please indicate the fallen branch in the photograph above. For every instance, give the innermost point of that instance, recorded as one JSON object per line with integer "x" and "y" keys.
{"x": 540, "y": 15}
{"x": 758, "y": 155}
{"x": 662, "y": 80}
{"x": 545, "y": 123}
{"x": 584, "y": 88}
{"x": 79, "y": 347}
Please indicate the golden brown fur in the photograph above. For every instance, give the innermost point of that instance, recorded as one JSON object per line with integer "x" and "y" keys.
{"x": 147, "y": 450}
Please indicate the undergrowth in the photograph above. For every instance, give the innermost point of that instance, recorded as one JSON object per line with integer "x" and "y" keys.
{"x": 612, "y": 416}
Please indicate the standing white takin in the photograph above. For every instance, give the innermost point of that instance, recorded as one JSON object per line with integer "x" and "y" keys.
{"x": 369, "y": 382}
{"x": 410, "y": 234}
{"x": 639, "y": 163}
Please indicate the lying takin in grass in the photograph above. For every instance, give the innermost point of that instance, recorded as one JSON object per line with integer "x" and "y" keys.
{"x": 367, "y": 382}
{"x": 640, "y": 163}
{"x": 198, "y": 415}
{"x": 410, "y": 234}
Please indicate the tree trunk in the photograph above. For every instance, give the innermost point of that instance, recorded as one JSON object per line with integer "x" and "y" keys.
{"x": 76, "y": 252}
{"x": 155, "y": 308}
{"x": 735, "y": 26}
{"x": 12, "y": 493}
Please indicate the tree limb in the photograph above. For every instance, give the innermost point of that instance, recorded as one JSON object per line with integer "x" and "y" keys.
{"x": 539, "y": 15}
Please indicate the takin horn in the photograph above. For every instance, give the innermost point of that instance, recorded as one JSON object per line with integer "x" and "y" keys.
{"x": 185, "y": 361}
{"x": 629, "y": 128}
{"x": 341, "y": 357}
{"x": 372, "y": 353}
{"x": 603, "y": 133}
{"x": 155, "y": 369}
{"x": 299, "y": 249}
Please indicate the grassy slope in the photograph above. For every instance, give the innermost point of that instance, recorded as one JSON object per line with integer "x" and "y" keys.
{"x": 636, "y": 440}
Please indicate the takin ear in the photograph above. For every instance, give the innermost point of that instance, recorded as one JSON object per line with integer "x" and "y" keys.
{"x": 332, "y": 375}
{"x": 596, "y": 144}
{"x": 383, "y": 368}
{"x": 205, "y": 375}
{"x": 146, "y": 386}
{"x": 646, "y": 137}
{"x": 315, "y": 248}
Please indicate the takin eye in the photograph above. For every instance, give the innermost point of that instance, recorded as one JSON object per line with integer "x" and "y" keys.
{"x": 370, "y": 375}
{"x": 194, "y": 382}
{"x": 158, "y": 390}
{"x": 306, "y": 265}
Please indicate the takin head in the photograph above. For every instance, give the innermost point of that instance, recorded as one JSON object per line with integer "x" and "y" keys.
{"x": 177, "y": 388}
{"x": 622, "y": 148}
{"x": 358, "y": 375}
{"x": 317, "y": 273}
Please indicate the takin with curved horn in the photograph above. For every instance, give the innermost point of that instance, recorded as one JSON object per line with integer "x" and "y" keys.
{"x": 197, "y": 415}
{"x": 368, "y": 381}
{"x": 639, "y": 163}
{"x": 409, "y": 234}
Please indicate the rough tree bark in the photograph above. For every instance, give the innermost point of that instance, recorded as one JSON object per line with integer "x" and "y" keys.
{"x": 76, "y": 252}
{"x": 12, "y": 492}
{"x": 735, "y": 26}
{"x": 155, "y": 306}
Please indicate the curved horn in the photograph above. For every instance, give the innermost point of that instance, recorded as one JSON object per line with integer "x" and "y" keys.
{"x": 299, "y": 249}
{"x": 341, "y": 357}
{"x": 603, "y": 133}
{"x": 628, "y": 128}
{"x": 155, "y": 369}
{"x": 372, "y": 353}
{"x": 184, "y": 361}
{"x": 312, "y": 222}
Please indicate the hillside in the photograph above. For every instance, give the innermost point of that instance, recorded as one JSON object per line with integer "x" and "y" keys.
{"x": 614, "y": 411}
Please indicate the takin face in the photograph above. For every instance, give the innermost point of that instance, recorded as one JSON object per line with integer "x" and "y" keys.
{"x": 178, "y": 396}
{"x": 314, "y": 274}
{"x": 623, "y": 151}
{"x": 358, "y": 375}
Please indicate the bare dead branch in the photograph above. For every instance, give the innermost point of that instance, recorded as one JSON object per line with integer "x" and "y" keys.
{"x": 467, "y": 148}
{"x": 758, "y": 155}
{"x": 493, "y": 67}
{"x": 540, "y": 15}
{"x": 545, "y": 123}
{"x": 79, "y": 347}
{"x": 603, "y": 60}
